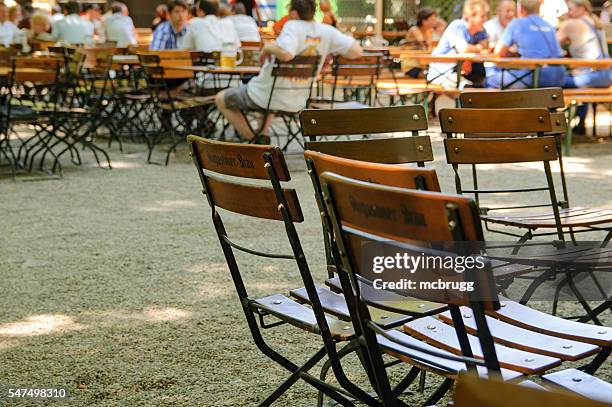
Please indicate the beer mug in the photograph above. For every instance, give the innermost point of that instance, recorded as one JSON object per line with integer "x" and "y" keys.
{"x": 231, "y": 55}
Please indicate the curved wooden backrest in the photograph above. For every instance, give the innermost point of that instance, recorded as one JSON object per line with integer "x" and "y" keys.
{"x": 36, "y": 70}
{"x": 400, "y": 150}
{"x": 472, "y": 391}
{"x": 376, "y": 120}
{"x": 239, "y": 160}
{"x": 385, "y": 174}
{"x": 251, "y": 200}
{"x": 526, "y": 121}
{"x": 550, "y": 98}
{"x": 366, "y": 65}
{"x": 374, "y": 214}
{"x": 244, "y": 161}
{"x": 500, "y": 150}
{"x": 300, "y": 67}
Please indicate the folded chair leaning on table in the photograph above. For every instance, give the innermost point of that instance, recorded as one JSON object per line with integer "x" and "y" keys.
{"x": 512, "y": 150}
{"x": 442, "y": 218}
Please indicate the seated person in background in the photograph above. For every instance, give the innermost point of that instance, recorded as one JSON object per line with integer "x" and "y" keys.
{"x": 534, "y": 38}
{"x": 93, "y": 14}
{"x": 27, "y": 11}
{"x": 462, "y": 36}
{"x": 419, "y": 38}
{"x": 278, "y": 26}
{"x": 56, "y": 13}
{"x": 72, "y": 29}
{"x": 208, "y": 32}
{"x": 161, "y": 16}
{"x": 39, "y": 28}
{"x": 552, "y": 10}
{"x": 328, "y": 14}
{"x": 170, "y": 34}
{"x": 583, "y": 33}
{"x": 15, "y": 14}
{"x": 420, "y": 35}
{"x": 9, "y": 33}
{"x": 250, "y": 7}
{"x": 119, "y": 26}
{"x": 245, "y": 26}
{"x": 300, "y": 36}
{"x": 495, "y": 27}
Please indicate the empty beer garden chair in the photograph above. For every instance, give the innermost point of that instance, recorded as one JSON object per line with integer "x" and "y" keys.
{"x": 33, "y": 98}
{"x": 354, "y": 79}
{"x": 413, "y": 149}
{"x": 573, "y": 219}
{"x": 472, "y": 391}
{"x": 436, "y": 217}
{"x": 273, "y": 202}
{"x": 513, "y": 150}
{"x": 177, "y": 114}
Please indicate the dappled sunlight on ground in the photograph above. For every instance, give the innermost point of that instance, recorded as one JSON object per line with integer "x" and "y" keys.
{"x": 40, "y": 325}
{"x": 168, "y": 206}
{"x": 151, "y": 314}
{"x": 123, "y": 165}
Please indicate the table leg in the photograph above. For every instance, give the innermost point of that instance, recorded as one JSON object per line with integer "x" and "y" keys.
{"x": 571, "y": 111}
{"x": 536, "y": 77}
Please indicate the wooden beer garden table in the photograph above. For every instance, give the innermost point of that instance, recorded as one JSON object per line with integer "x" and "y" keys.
{"x": 218, "y": 70}
{"x": 533, "y": 64}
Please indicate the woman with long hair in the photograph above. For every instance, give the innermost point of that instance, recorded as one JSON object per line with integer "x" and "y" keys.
{"x": 585, "y": 38}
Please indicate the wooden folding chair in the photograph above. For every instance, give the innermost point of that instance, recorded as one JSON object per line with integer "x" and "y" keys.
{"x": 274, "y": 202}
{"x": 178, "y": 114}
{"x": 297, "y": 74}
{"x": 551, "y": 99}
{"x": 472, "y": 391}
{"x": 400, "y": 150}
{"x": 355, "y": 78}
{"x": 416, "y": 223}
{"x": 34, "y": 97}
{"x": 511, "y": 150}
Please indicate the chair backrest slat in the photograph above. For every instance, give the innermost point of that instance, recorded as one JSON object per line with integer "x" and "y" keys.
{"x": 523, "y": 121}
{"x": 500, "y": 150}
{"x": 244, "y": 161}
{"x": 400, "y": 150}
{"x": 239, "y": 160}
{"x": 332, "y": 122}
{"x": 550, "y": 98}
{"x": 385, "y": 174}
{"x": 300, "y": 67}
{"x": 251, "y": 200}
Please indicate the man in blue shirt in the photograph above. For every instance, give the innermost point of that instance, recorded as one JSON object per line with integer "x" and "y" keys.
{"x": 532, "y": 37}
{"x": 462, "y": 36}
{"x": 170, "y": 34}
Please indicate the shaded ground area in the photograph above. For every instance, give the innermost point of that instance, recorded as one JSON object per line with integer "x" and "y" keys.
{"x": 114, "y": 286}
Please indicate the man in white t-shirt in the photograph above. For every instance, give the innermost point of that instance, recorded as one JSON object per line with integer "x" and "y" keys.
{"x": 119, "y": 26}
{"x": 9, "y": 32}
{"x": 246, "y": 26}
{"x": 207, "y": 32}
{"x": 301, "y": 35}
{"x": 72, "y": 29}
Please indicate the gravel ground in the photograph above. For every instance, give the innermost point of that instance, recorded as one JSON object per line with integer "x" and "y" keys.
{"x": 114, "y": 285}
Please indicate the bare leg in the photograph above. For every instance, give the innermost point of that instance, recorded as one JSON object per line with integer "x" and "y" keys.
{"x": 234, "y": 117}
